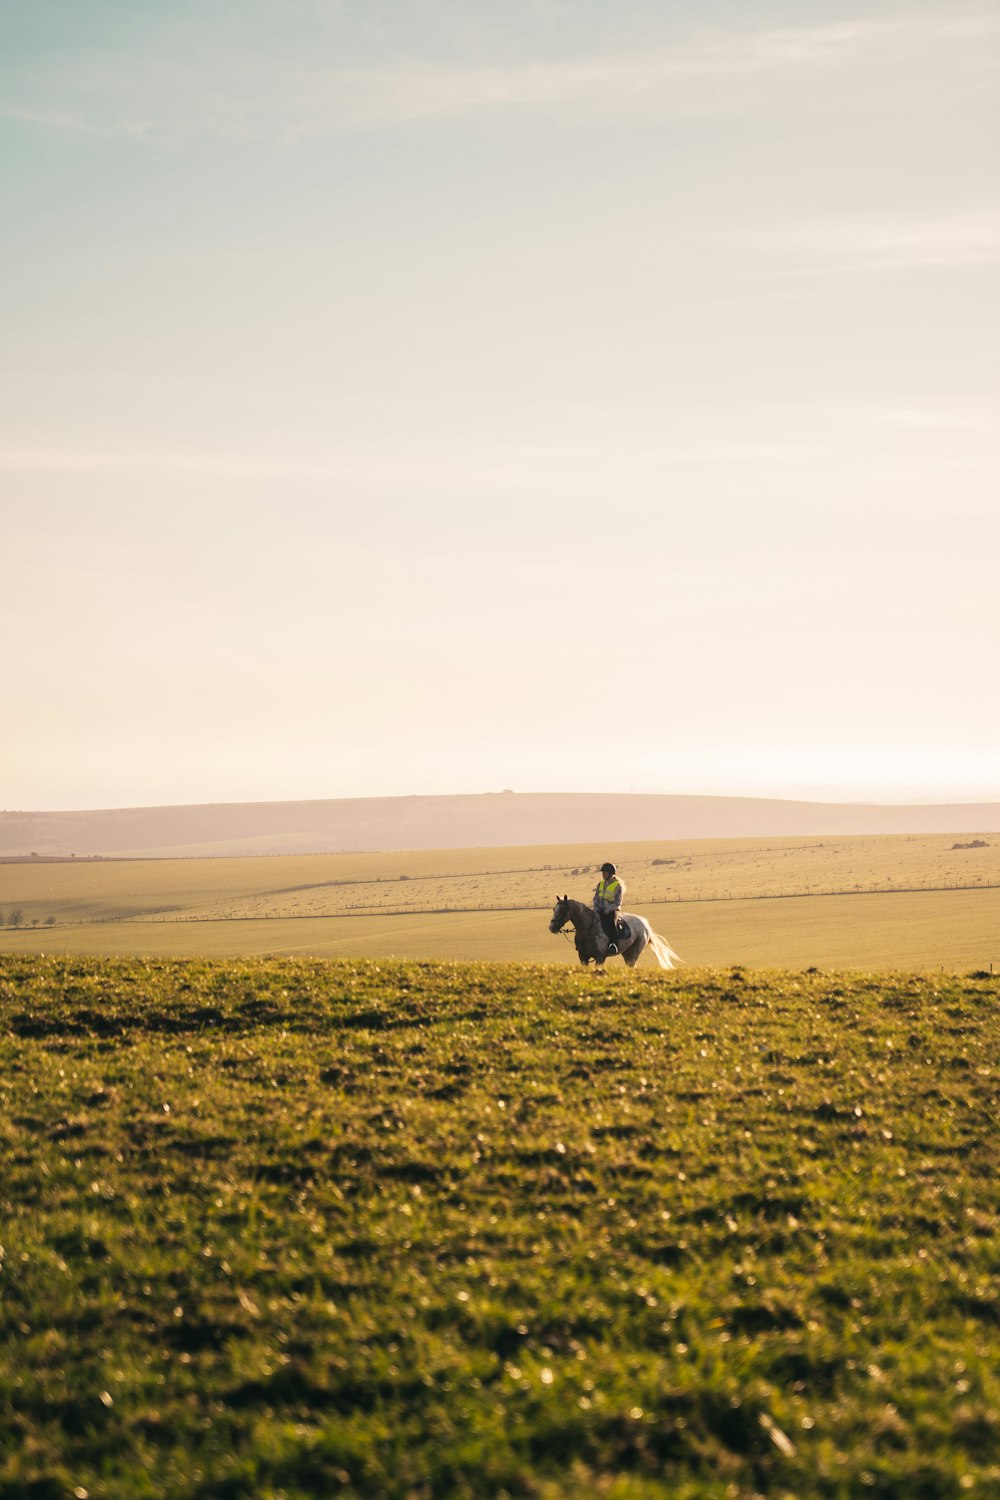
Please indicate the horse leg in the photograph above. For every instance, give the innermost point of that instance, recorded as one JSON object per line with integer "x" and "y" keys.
{"x": 635, "y": 949}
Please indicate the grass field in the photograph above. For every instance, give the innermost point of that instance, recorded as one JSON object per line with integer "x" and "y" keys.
{"x": 930, "y": 930}
{"x": 715, "y": 901}
{"x": 371, "y": 1229}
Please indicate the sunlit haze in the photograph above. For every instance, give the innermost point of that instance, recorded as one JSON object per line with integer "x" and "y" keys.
{"x": 435, "y": 398}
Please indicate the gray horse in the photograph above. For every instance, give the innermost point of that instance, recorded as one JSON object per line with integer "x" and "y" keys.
{"x": 592, "y": 944}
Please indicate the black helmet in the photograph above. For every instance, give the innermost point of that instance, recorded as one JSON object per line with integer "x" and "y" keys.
{"x": 608, "y": 869}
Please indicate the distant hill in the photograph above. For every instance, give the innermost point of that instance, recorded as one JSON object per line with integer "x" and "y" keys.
{"x": 457, "y": 822}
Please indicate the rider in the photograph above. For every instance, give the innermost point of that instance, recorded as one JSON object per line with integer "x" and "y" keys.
{"x": 607, "y": 903}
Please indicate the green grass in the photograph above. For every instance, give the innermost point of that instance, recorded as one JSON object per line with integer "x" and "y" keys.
{"x": 425, "y": 1230}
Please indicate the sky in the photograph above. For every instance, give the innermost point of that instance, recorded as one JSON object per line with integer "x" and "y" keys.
{"x": 444, "y": 397}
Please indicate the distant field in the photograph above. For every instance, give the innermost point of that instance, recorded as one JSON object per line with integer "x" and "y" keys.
{"x": 717, "y": 902}
{"x": 954, "y": 930}
{"x": 274, "y": 1231}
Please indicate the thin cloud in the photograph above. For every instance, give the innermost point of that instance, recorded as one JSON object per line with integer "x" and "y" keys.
{"x": 533, "y": 468}
{"x": 871, "y": 245}
{"x": 967, "y": 424}
{"x": 220, "y": 464}
{"x": 61, "y": 120}
{"x": 412, "y": 90}
{"x": 155, "y": 95}
{"x": 419, "y": 89}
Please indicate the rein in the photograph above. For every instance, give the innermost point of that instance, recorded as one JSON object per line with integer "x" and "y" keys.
{"x": 568, "y": 930}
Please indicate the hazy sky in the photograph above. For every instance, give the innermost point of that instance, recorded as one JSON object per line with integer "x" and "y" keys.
{"x": 447, "y": 396}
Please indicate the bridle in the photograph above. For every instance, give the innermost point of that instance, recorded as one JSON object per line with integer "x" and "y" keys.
{"x": 564, "y": 930}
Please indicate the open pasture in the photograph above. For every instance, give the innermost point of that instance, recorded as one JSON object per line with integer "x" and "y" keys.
{"x": 421, "y": 880}
{"x": 416, "y": 1230}
{"x": 929, "y": 930}
{"x": 715, "y": 901}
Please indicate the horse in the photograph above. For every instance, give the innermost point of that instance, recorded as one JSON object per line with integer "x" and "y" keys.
{"x": 592, "y": 943}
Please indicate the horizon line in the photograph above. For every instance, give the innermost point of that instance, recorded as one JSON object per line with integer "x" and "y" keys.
{"x": 845, "y": 800}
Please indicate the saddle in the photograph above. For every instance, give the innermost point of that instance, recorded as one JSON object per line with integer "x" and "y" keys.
{"x": 623, "y": 933}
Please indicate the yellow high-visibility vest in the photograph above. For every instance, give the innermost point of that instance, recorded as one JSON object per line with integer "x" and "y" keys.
{"x": 607, "y": 890}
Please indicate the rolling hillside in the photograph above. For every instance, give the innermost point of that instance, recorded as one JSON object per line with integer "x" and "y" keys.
{"x": 452, "y": 822}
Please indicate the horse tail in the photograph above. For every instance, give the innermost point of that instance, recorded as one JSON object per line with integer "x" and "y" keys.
{"x": 662, "y": 951}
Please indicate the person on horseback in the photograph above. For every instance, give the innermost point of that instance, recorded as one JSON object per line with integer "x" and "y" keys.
{"x": 607, "y": 903}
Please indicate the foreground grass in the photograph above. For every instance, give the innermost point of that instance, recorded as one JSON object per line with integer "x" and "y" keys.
{"x": 292, "y": 1228}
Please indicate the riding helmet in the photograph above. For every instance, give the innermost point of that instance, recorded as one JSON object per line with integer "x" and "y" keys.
{"x": 608, "y": 869}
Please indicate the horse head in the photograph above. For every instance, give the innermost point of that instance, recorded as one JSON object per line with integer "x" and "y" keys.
{"x": 560, "y": 914}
